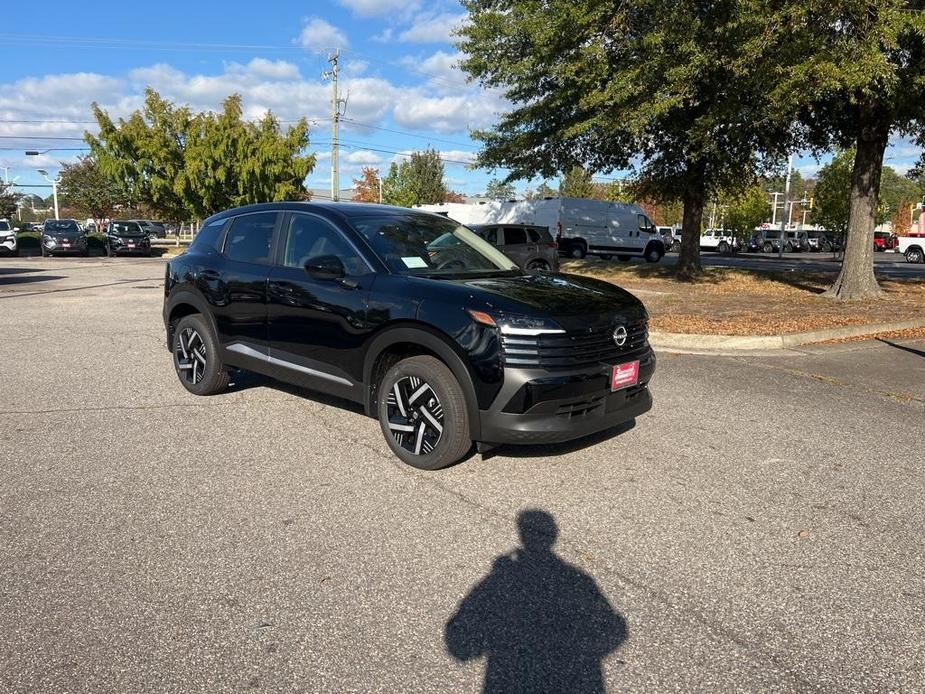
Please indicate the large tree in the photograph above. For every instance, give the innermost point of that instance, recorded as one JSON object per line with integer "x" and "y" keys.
{"x": 609, "y": 84}
{"x": 182, "y": 165}
{"x": 745, "y": 210}
{"x": 8, "y": 200}
{"x": 576, "y": 183}
{"x": 500, "y": 190}
{"x": 859, "y": 66}
{"x": 418, "y": 180}
{"x": 87, "y": 188}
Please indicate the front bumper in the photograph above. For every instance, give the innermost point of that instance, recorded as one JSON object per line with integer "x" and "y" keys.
{"x": 538, "y": 406}
{"x": 8, "y": 246}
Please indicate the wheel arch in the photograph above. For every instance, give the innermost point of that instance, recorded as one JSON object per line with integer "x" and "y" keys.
{"x": 185, "y": 302}
{"x": 410, "y": 339}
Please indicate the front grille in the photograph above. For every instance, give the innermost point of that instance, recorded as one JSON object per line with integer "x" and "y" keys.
{"x": 583, "y": 408}
{"x": 574, "y": 349}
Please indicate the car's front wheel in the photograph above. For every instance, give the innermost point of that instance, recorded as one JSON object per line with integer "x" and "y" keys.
{"x": 537, "y": 265}
{"x": 196, "y": 357}
{"x": 914, "y": 255}
{"x": 423, "y": 415}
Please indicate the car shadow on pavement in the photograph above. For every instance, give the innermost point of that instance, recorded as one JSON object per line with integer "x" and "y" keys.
{"x": 911, "y": 350}
{"x": 21, "y": 275}
{"x": 541, "y": 624}
{"x": 245, "y": 380}
{"x": 547, "y": 450}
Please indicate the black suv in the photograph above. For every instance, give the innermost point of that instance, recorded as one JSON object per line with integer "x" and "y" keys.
{"x": 127, "y": 237}
{"x": 432, "y": 329}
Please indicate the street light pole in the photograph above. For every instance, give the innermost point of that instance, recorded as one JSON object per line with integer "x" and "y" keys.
{"x": 783, "y": 223}
{"x": 54, "y": 188}
{"x": 774, "y": 209}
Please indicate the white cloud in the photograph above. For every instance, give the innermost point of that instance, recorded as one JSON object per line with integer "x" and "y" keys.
{"x": 371, "y": 8}
{"x": 384, "y": 36}
{"x": 317, "y": 34}
{"x": 363, "y": 157}
{"x": 356, "y": 67}
{"x": 449, "y": 114}
{"x": 450, "y": 157}
{"x": 428, "y": 27}
{"x": 441, "y": 69}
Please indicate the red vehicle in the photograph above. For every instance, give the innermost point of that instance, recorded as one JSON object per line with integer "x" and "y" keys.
{"x": 884, "y": 241}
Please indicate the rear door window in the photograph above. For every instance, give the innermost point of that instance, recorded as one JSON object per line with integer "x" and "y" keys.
{"x": 249, "y": 238}
{"x": 514, "y": 236}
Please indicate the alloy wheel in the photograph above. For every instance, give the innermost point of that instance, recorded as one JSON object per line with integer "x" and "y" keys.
{"x": 191, "y": 356}
{"x": 415, "y": 415}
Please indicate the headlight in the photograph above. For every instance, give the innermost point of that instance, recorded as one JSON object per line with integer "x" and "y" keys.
{"x": 48, "y": 239}
{"x": 513, "y": 324}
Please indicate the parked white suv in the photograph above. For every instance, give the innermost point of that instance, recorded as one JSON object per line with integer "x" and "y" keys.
{"x": 718, "y": 240}
{"x": 913, "y": 247}
{"x": 8, "y": 238}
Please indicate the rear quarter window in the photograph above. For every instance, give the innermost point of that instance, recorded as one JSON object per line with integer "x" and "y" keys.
{"x": 209, "y": 236}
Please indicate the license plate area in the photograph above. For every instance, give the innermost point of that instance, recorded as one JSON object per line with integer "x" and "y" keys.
{"x": 624, "y": 375}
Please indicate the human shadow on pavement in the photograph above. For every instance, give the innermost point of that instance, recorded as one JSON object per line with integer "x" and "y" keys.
{"x": 541, "y": 624}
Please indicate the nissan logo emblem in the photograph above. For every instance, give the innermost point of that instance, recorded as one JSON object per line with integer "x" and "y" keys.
{"x": 619, "y": 336}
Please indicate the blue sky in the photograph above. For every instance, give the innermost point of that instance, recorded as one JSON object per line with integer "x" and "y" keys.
{"x": 397, "y": 60}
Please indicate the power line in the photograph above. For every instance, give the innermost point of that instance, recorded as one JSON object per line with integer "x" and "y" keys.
{"x": 142, "y": 44}
{"x": 405, "y": 132}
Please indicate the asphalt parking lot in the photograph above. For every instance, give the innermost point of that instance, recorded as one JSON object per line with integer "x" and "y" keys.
{"x": 760, "y": 530}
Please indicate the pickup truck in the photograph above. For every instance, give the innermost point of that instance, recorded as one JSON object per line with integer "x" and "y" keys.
{"x": 913, "y": 247}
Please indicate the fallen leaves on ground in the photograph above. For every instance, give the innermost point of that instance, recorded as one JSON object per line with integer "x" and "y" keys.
{"x": 736, "y": 301}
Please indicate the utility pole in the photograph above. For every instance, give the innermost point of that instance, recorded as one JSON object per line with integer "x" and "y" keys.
{"x": 784, "y": 222}
{"x": 336, "y": 114}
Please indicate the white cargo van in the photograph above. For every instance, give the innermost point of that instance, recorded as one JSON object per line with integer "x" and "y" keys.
{"x": 581, "y": 227}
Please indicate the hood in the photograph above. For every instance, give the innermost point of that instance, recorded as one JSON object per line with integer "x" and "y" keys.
{"x": 572, "y": 300}
{"x": 58, "y": 233}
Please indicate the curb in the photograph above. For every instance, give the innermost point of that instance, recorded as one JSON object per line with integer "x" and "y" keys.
{"x": 708, "y": 344}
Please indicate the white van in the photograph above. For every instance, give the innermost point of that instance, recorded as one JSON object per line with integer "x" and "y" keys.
{"x": 580, "y": 226}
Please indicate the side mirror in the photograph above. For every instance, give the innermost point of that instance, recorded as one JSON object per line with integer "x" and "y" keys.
{"x": 325, "y": 267}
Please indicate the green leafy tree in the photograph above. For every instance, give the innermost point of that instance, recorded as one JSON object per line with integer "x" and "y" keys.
{"x": 831, "y": 199}
{"x": 180, "y": 164}
{"x": 544, "y": 190}
{"x": 500, "y": 190}
{"x": 858, "y": 70}
{"x": 416, "y": 181}
{"x": 89, "y": 190}
{"x": 745, "y": 210}
{"x": 605, "y": 84}
{"x": 896, "y": 194}
{"x": 614, "y": 191}
{"x": 9, "y": 200}
{"x": 576, "y": 183}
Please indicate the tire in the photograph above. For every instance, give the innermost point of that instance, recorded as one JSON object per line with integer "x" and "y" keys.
{"x": 623, "y": 258}
{"x": 723, "y": 248}
{"x": 768, "y": 248}
{"x": 44, "y": 251}
{"x": 676, "y": 246}
{"x": 578, "y": 250}
{"x": 196, "y": 357}
{"x": 426, "y": 441}
{"x": 605, "y": 256}
{"x": 653, "y": 254}
{"x": 536, "y": 264}
{"x": 915, "y": 255}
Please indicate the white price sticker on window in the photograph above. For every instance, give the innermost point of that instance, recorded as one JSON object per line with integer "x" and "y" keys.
{"x": 413, "y": 261}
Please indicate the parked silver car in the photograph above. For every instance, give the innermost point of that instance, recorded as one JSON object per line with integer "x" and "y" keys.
{"x": 531, "y": 247}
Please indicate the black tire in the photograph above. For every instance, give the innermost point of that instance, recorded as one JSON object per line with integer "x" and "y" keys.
{"x": 767, "y": 248}
{"x": 723, "y": 248}
{"x": 915, "y": 255}
{"x": 441, "y": 436}
{"x": 605, "y": 256}
{"x": 653, "y": 254}
{"x": 43, "y": 251}
{"x": 676, "y": 246}
{"x": 537, "y": 264}
{"x": 196, "y": 357}
{"x": 578, "y": 250}
{"x": 623, "y": 258}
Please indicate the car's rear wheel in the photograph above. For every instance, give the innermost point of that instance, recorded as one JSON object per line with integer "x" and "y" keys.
{"x": 676, "y": 246}
{"x": 768, "y": 248}
{"x": 423, "y": 415}
{"x": 196, "y": 357}
{"x": 723, "y": 248}
{"x": 537, "y": 265}
{"x": 914, "y": 255}
{"x": 653, "y": 254}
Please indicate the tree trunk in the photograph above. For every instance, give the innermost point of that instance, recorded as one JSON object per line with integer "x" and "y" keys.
{"x": 689, "y": 267}
{"x": 856, "y": 279}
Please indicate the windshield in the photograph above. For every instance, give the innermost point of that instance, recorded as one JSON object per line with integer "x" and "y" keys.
{"x": 126, "y": 229}
{"x": 59, "y": 225}
{"x": 4, "y": 226}
{"x": 429, "y": 245}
